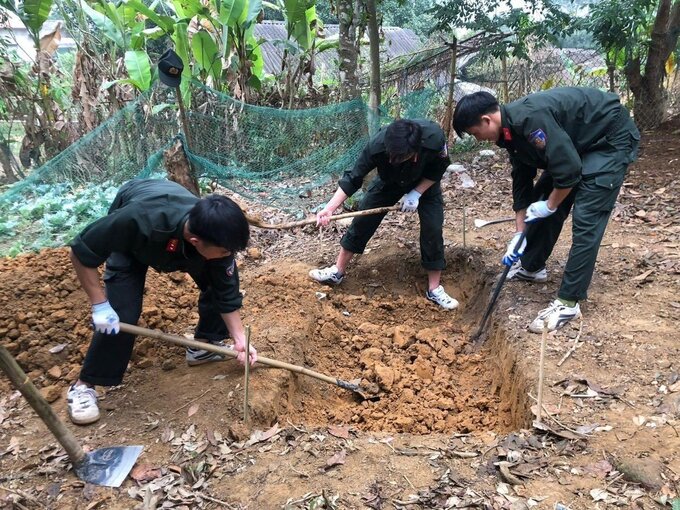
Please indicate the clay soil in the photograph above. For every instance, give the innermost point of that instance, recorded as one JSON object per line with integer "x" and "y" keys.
{"x": 449, "y": 428}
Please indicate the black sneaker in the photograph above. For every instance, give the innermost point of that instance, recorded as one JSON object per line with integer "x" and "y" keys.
{"x": 199, "y": 356}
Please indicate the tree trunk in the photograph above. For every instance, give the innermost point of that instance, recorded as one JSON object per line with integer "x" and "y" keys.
{"x": 179, "y": 168}
{"x": 650, "y": 101}
{"x": 374, "y": 98}
{"x": 9, "y": 165}
{"x": 348, "y": 53}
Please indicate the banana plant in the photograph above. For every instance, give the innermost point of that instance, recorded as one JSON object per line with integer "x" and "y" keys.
{"x": 304, "y": 39}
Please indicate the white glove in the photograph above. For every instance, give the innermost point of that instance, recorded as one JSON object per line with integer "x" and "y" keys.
{"x": 105, "y": 319}
{"x": 410, "y": 203}
{"x": 511, "y": 254}
{"x": 537, "y": 211}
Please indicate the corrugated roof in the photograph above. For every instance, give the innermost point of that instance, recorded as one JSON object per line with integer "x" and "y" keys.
{"x": 395, "y": 42}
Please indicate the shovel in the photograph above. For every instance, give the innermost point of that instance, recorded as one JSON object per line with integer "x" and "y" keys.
{"x": 352, "y": 386}
{"x": 483, "y": 223}
{"x": 476, "y": 338}
{"x": 257, "y": 222}
{"x": 105, "y": 466}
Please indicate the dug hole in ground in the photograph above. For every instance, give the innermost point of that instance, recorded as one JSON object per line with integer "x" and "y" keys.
{"x": 451, "y": 429}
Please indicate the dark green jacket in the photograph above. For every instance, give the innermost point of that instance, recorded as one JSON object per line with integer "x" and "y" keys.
{"x": 146, "y": 222}
{"x": 433, "y": 159}
{"x": 551, "y": 130}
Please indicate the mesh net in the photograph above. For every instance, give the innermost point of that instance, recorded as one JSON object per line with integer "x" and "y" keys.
{"x": 276, "y": 157}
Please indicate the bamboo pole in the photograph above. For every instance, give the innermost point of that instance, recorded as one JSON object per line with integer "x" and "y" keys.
{"x": 257, "y": 222}
{"x": 540, "y": 373}
{"x": 247, "y": 376}
{"x": 452, "y": 84}
{"x": 504, "y": 70}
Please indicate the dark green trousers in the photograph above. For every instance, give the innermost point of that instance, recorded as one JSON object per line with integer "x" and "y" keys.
{"x": 592, "y": 201}
{"x": 430, "y": 211}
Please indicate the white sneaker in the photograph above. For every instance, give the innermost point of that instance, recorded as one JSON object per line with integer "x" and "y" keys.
{"x": 440, "y": 297}
{"x": 329, "y": 275}
{"x": 82, "y": 404}
{"x": 555, "y": 316}
{"x": 517, "y": 272}
{"x": 199, "y": 356}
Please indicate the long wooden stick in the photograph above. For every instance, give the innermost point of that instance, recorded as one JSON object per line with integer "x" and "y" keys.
{"x": 247, "y": 376}
{"x": 540, "y": 373}
{"x": 257, "y": 222}
{"x": 195, "y": 344}
{"x": 22, "y": 383}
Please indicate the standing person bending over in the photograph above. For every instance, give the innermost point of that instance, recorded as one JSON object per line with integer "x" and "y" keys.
{"x": 158, "y": 224}
{"x": 411, "y": 158}
{"x": 584, "y": 139}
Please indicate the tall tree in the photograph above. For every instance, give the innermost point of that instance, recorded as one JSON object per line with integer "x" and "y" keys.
{"x": 640, "y": 36}
{"x": 374, "y": 42}
{"x": 539, "y": 21}
{"x": 349, "y": 15}
{"x": 647, "y": 86}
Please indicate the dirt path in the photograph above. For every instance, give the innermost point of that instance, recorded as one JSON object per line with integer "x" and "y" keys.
{"x": 450, "y": 429}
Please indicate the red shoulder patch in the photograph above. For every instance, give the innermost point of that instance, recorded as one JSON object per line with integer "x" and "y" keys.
{"x": 172, "y": 245}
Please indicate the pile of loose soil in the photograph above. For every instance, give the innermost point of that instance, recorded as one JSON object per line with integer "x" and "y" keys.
{"x": 377, "y": 327}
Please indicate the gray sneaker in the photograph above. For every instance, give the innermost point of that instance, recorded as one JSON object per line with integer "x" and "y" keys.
{"x": 517, "y": 272}
{"x": 200, "y": 356}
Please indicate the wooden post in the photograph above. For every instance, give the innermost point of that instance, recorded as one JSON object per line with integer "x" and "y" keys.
{"x": 452, "y": 84}
{"x": 541, "y": 362}
{"x": 504, "y": 69}
{"x": 22, "y": 383}
{"x": 247, "y": 376}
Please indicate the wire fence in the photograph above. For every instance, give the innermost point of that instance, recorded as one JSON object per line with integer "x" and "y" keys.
{"x": 510, "y": 78}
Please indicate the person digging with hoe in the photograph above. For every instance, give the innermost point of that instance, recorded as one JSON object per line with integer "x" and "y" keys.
{"x": 584, "y": 140}
{"x": 158, "y": 224}
{"x": 411, "y": 157}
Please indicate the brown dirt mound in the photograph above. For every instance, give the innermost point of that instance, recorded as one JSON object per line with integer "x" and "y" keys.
{"x": 376, "y": 327}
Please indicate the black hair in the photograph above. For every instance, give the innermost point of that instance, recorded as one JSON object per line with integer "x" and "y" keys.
{"x": 218, "y": 220}
{"x": 470, "y": 109}
{"x": 403, "y": 137}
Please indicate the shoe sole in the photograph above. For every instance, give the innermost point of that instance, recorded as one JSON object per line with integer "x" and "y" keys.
{"x": 87, "y": 421}
{"x": 517, "y": 277}
{"x": 194, "y": 363}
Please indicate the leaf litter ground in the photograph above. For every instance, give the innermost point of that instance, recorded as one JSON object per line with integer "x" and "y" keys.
{"x": 441, "y": 435}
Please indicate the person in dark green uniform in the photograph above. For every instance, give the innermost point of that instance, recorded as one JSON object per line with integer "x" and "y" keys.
{"x": 411, "y": 157}
{"x": 158, "y": 224}
{"x": 584, "y": 140}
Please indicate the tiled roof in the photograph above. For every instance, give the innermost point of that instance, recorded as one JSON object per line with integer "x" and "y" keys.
{"x": 395, "y": 42}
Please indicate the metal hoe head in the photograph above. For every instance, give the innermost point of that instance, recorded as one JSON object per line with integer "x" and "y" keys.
{"x": 107, "y": 466}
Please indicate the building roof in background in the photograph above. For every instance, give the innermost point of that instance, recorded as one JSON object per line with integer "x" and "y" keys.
{"x": 396, "y": 42}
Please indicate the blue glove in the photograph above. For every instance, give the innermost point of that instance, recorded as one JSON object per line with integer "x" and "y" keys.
{"x": 410, "y": 203}
{"x": 105, "y": 319}
{"x": 538, "y": 211}
{"x": 512, "y": 255}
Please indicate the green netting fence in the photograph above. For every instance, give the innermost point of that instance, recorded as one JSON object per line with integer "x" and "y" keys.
{"x": 281, "y": 158}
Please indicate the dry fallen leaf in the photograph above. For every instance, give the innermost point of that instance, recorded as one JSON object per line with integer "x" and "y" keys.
{"x": 192, "y": 410}
{"x": 337, "y": 459}
{"x": 145, "y": 473}
{"x": 338, "y": 431}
